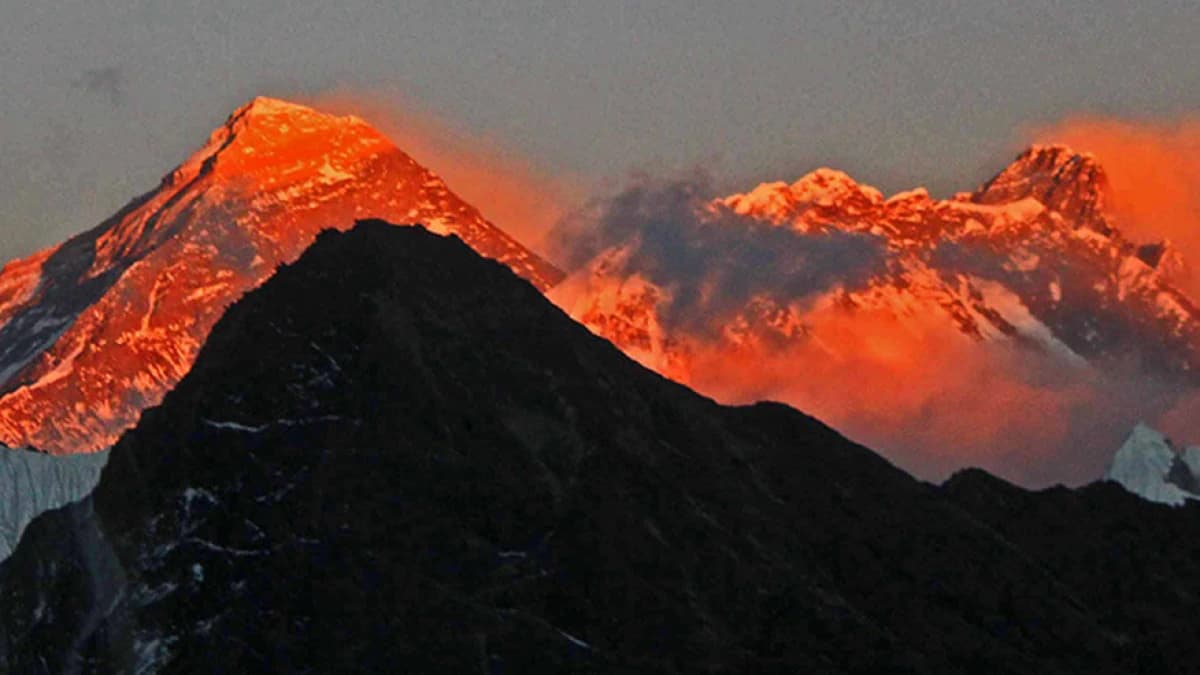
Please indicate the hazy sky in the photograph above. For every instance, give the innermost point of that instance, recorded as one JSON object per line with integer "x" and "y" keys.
{"x": 99, "y": 98}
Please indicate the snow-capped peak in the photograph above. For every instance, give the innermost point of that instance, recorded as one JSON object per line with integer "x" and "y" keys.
{"x": 1145, "y": 465}
{"x": 829, "y": 186}
{"x": 280, "y": 115}
{"x": 102, "y": 326}
{"x": 823, "y": 188}
{"x": 265, "y": 105}
{"x": 1070, "y": 182}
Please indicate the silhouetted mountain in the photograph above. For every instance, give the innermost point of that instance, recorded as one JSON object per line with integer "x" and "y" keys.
{"x": 396, "y": 456}
{"x": 1129, "y": 561}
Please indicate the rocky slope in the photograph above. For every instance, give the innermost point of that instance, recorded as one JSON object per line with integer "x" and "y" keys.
{"x": 395, "y": 455}
{"x": 100, "y": 327}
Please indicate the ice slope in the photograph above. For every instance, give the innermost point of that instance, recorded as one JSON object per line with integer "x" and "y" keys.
{"x": 33, "y": 482}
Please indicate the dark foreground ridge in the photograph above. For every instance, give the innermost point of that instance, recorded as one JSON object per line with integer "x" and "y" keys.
{"x": 396, "y": 456}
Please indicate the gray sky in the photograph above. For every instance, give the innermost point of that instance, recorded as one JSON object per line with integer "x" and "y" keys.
{"x": 99, "y": 98}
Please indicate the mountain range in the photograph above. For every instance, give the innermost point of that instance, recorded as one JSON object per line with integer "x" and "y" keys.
{"x": 1031, "y": 255}
{"x": 342, "y": 444}
{"x": 777, "y": 293}
{"x": 882, "y": 314}
{"x": 396, "y": 454}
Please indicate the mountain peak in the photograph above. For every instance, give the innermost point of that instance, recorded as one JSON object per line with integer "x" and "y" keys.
{"x": 267, "y": 105}
{"x": 1148, "y": 465}
{"x": 273, "y": 114}
{"x": 1056, "y": 152}
{"x": 831, "y": 185}
{"x": 269, "y": 131}
{"x": 107, "y": 322}
{"x": 1063, "y": 180}
{"x": 823, "y": 188}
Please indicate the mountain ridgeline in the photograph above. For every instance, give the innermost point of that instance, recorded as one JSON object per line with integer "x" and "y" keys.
{"x": 883, "y": 315}
{"x": 1033, "y": 256}
{"x": 396, "y": 455}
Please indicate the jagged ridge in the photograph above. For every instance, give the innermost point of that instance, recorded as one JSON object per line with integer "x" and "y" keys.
{"x": 1032, "y": 256}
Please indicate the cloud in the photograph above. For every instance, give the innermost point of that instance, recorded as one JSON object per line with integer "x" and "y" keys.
{"x": 108, "y": 81}
{"x": 521, "y": 197}
{"x": 934, "y": 401}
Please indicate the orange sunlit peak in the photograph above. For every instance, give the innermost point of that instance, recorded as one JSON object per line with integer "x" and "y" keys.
{"x": 1055, "y": 149}
{"x": 267, "y": 107}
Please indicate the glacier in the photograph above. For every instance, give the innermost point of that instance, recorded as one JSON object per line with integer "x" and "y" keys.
{"x": 32, "y": 483}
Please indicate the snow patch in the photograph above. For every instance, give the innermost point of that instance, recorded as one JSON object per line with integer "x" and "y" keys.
{"x": 573, "y": 640}
{"x": 235, "y": 426}
{"x": 1009, "y": 305}
{"x": 330, "y": 174}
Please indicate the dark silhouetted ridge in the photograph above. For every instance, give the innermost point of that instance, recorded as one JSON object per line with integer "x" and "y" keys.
{"x": 396, "y": 456}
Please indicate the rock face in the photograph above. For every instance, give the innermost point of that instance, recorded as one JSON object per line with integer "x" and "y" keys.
{"x": 397, "y": 456}
{"x": 1067, "y": 182}
{"x": 1149, "y": 466}
{"x": 100, "y": 327}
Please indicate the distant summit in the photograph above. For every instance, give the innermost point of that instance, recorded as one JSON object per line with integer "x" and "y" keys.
{"x": 1061, "y": 179}
{"x": 96, "y": 329}
{"x": 1150, "y": 466}
{"x": 1029, "y": 256}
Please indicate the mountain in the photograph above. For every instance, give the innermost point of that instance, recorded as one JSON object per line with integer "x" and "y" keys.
{"x": 395, "y": 455}
{"x": 98, "y": 328}
{"x": 1148, "y": 465}
{"x": 883, "y": 316}
{"x": 1032, "y": 256}
{"x": 1115, "y": 553}
{"x": 1070, "y": 183}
